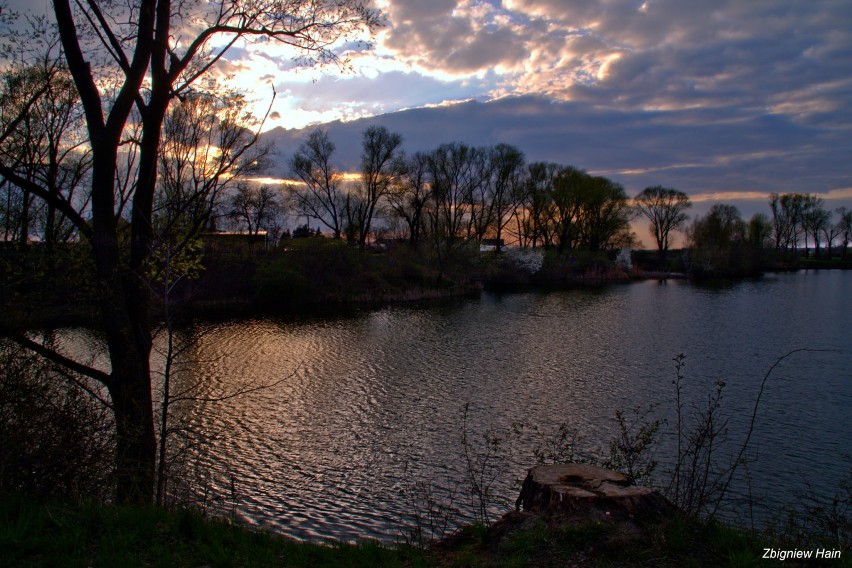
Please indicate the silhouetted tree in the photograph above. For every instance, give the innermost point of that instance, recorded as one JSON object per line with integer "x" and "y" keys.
{"x": 506, "y": 187}
{"x": 381, "y": 167}
{"x": 322, "y": 197}
{"x": 666, "y": 209}
{"x": 46, "y": 147}
{"x": 787, "y": 210}
{"x": 815, "y": 218}
{"x": 456, "y": 172}
{"x": 716, "y": 240}
{"x": 255, "y": 208}
{"x": 535, "y": 216}
{"x": 844, "y": 228}
{"x": 409, "y": 195}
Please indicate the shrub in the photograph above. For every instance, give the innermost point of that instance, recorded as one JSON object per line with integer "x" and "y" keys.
{"x": 55, "y": 434}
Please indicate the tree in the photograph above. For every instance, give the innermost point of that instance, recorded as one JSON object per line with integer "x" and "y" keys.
{"x": 456, "y": 173}
{"x": 830, "y": 231}
{"x": 141, "y": 56}
{"x": 605, "y": 214}
{"x": 666, "y": 209}
{"x": 46, "y": 147}
{"x": 589, "y": 212}
{"x": 254, "y": 207}
{"x": 815, "y": 218}
{"x": 537, "y": 203}
{"x": 410, "y": 194}
{"x": 381, "y": 166}
{"x": 567, "y": 205}
{"x": 715, "y": 242}
{"x": 787, "y": 210}
{"x": 322, "y": 198}
{"x": 844, "y": 228}
{"x": 204, "y": 138}
{"x": 507, "y": 186}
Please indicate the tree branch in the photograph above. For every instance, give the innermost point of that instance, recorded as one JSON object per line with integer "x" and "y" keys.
{"x": 57, "y": 200}
{"x": 51, "y": 355}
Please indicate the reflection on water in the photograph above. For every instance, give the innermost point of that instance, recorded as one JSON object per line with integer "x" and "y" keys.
{"x": 364, "y": 406}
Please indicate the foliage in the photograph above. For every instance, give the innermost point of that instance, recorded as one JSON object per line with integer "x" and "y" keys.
{"x": 721, "y": 244}
{"x": 485, "y": 464}
{"x": 696, "y": 481}
{"x": 87, "y": 534}
{"x": 55, "y": 430}
{"x": 630, "y": 451}
{"x": 666, "y": 209}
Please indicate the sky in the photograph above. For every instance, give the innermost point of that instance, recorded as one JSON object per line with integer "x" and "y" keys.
{"x": 725, "y": 100}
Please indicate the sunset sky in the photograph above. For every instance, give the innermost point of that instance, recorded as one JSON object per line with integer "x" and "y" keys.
{"x": 723, "y": 99}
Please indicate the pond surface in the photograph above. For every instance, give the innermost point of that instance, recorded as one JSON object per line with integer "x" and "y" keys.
{"x": 365, "y": 418}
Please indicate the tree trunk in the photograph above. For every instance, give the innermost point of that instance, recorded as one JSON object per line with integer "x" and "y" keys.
{"x": 135, "y": 437}
{"x": 124, "y": 316}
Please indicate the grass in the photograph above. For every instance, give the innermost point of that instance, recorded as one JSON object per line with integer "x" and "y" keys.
{"x": 91, "y": 534}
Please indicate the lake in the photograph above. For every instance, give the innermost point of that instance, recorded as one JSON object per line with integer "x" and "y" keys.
{"x": 364, "y": 422}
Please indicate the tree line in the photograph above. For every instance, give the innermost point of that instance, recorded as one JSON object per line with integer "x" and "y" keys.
{"x": 460, "y": 193}
{"x": 453, "y": 194}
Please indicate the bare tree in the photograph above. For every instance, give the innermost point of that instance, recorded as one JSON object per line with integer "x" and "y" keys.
{"x": 456, "y": 172}
{"x": 45, "y": 147}
{"x": 322, "y": 197}
{"x": 507, "y": 186}
{"x": 815, "y": 218}
{"x": 666, "y": 209}
{"x": 254, "y": 207}
{"x": 787, "y": 210}
{"x": 206, "y": 150}
{"x": 537, "y": 205}
{"x": 381, "y": 166}
{"x": 844, "y": 228}
{"x": 410, "y": 194}
{"x": 141, "y": 55}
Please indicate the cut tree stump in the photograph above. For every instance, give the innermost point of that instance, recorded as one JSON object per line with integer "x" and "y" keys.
{"x": 588, "y": 493}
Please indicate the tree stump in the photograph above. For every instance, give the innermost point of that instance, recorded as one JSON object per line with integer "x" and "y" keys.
{"x": 584, "y": 493}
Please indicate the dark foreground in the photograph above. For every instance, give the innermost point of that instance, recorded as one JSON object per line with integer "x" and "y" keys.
{"x": 54, "y": 534}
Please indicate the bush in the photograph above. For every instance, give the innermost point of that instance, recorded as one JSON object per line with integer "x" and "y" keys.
{"x": 55, "y": 436}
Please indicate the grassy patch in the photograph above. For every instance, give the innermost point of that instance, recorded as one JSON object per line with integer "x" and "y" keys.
{"x": 87, "y": 534}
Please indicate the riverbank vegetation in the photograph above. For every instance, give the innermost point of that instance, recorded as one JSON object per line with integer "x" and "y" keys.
{"x": 49, "y": 533}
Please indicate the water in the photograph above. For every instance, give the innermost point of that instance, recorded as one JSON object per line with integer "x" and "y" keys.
{"x": 363, "y": 407}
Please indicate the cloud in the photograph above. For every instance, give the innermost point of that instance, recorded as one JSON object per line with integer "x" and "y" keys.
{"x": 703, "y": 152}
{"x": 452, "y": 39}
{"x": 780, "y": 57}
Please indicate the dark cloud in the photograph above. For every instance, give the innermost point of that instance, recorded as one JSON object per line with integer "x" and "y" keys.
{"x": 700, "y": 151}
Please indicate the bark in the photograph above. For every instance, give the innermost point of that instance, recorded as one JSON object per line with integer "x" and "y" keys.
{"x": 135, "y": 436}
